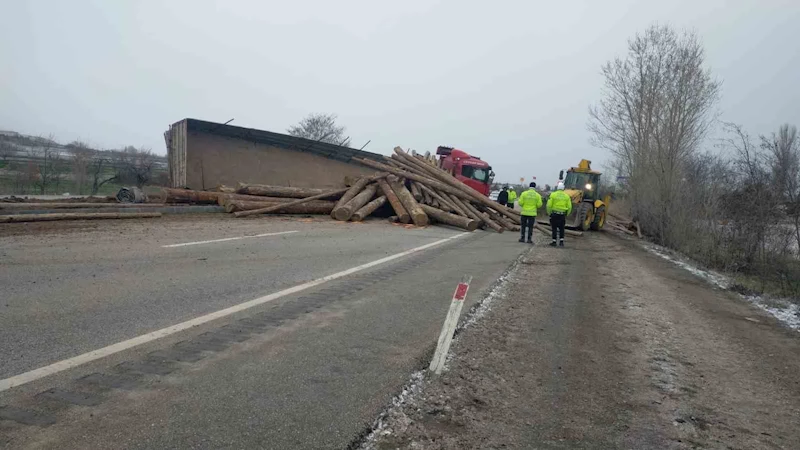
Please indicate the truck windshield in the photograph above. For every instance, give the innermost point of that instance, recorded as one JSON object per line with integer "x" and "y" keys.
{"x": 476, "y": 173}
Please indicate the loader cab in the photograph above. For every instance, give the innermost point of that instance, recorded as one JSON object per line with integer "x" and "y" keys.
{"x": 588, "y": 182}
{"x": 582, "y": 179}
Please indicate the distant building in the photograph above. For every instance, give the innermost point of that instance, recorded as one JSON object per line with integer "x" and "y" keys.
{"x": 9, "y": 133}
{"x": 202, "y": 155}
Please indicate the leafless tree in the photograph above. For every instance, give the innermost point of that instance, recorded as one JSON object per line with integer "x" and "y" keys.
{"x": 783, "y": 153}
{"x": 322, "y": 128}
{"x": 99, "y": 168}
{"x": 137, "y": 164}
{"x": 656, "y": 110}
{"x": 81, "y": 158}
{"x": 49, "y": 164}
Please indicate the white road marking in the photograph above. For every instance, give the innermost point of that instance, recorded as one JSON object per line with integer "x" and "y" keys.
{"x": 227, "y": 239}
{"x": 75, "y": 361}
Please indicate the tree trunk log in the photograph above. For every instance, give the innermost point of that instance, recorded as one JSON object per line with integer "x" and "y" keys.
{"x": 172, "y": 195}
{"x": 281, "y": 206}
{"x": 446, "y": 218}
{"x": 415, "y": 191}
{"x": 344, "y": 213}
{"x": 397, "y": 206}
{"x": 277, "y": 191}
{"x": 417, "y": 214}
{"x": 546, "y": 228}
{"x": 13, "y": 218}
{"x": 357, "y": 187}
{"x": 497, "y": 217}
{"x": 461, "y": 205}
{"x": 315, "y": 207}
{"x": 368, "y": 209}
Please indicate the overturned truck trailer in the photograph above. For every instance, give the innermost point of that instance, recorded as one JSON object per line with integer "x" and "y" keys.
{"x": 203, "y": 155}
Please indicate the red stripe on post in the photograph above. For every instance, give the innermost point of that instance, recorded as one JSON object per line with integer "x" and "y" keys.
{"x": 461, "y": 291}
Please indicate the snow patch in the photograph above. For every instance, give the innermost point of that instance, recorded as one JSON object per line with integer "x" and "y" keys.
{"x": 785, "y": 311}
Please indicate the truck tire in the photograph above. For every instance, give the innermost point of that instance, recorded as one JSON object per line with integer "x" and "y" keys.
{"x": 599, "y": 219}
{"x": 584, "y": 222}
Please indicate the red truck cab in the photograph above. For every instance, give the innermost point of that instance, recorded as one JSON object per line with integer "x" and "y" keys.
{"x": 468, "y": 169}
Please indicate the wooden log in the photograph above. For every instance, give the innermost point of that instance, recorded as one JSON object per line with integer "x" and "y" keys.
{"x": 225, "y": 189}
{"x": 638, "y": 229}
{"x": 428, "y": 198}
{"x": 417, "y": 214}
{"x": 277, "y": 191}
{"x": 395, "y": 161}
{"x": 81, "y": 205}
{"x": 446, "y": 218}
{"x": 445, "y": 204}
{"x": 346, "y": 211}
{"x": 416, "y": 192}
{"x": 397, "y": 206}
{"x": 368, "y": 209}
{"x": 13, "y": 218}
{"x": 172, "y": 195}
{"x": 357, "y": 187}
{"x": 463, "y": 208}
{"x": 497, "y": 217}
{"x": 484, "y": 217}
{"x": 315, "y": 207}
{"x": 281, "y": 206}
{"x": 440, "y": 186}
{"x": 547, "y": 229}
{"x": 448, "y": 179}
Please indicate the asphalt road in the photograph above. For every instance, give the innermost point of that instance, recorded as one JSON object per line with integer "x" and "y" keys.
{"x": 603, "y": 345}
{"x": 307, "y": 370}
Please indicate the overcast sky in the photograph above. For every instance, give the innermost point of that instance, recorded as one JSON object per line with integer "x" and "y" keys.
{"x": 509, "y": 81}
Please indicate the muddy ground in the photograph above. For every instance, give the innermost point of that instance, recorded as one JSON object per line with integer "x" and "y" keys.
{"x": 603, "y": 345}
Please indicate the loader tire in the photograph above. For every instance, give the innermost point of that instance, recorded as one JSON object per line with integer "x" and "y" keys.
{"x": 583, "y": 222}
{"x": 599, "y": 219}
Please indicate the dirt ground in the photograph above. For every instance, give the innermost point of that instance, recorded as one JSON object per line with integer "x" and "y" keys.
{"x": 602, "y": 345}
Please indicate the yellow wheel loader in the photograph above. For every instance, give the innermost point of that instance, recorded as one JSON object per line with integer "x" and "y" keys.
{"x": 582, "y": 184}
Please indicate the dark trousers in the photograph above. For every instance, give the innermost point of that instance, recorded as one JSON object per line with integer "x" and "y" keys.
{"x": 557, "y": 224}
{"x": 528, "y": 223}
{"x": 510, "y": 205}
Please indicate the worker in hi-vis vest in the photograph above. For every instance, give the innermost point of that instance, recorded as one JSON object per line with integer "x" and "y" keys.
{"x": 559, "y": 206}
{"x": 529, "y": 202}
{"x": 512, "y": 197}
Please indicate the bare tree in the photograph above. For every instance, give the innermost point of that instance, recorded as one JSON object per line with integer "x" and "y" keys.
{"x": 49, "y": 164}
{"x": 783, "y": 153}
{"x": 99, "y": 167}
{"x": 81, "y": 158}
{"x": 138, "y": 165}
{"x": 322, "y": 128}
{"x": 656, "y": 110}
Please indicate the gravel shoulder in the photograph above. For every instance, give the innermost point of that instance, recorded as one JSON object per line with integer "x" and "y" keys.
{"x": 602, "y": 345}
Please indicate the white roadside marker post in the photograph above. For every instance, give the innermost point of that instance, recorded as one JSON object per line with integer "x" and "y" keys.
{"x": 449, "y": 327}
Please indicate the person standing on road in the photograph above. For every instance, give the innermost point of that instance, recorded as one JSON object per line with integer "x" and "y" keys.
{"x": 559, "y": 206}
{"x": 512, "y": 197}
{"x": 502, "y": 197}
{"x": 530, "y": 201}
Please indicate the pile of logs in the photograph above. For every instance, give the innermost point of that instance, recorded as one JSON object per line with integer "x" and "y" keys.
{"x": 409, "y": 188}
{"x": 624, "y": 225}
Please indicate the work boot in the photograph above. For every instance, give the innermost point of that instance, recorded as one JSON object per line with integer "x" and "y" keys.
{"x": 522, "y": 239}
{"x": 530, "y": 241}
{"x": 561, "y": 243}
{"x": 553, "y": 244}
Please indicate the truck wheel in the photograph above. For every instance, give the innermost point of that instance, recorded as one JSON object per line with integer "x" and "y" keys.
{"x": 599, "y": 219}
{"x": 584, "y": 216}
